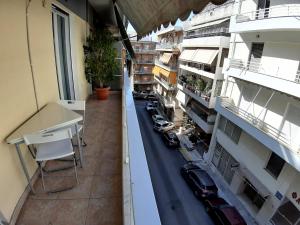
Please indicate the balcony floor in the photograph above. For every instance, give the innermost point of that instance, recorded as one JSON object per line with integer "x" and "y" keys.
{"x": 98, "y": 197}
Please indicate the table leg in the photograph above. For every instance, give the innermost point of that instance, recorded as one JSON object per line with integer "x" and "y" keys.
{"x": 24, "y": 166}
{"x": 79, "y": 145}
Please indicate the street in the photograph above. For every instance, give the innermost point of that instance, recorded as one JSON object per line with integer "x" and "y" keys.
{"x": 176, "y": 203}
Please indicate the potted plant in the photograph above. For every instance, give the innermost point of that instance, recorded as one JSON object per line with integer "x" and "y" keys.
{"x": 100, "y": 61}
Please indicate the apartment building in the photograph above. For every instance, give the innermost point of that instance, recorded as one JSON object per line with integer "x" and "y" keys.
{"x": 165, "y": 70}
{"x": 255, "y": 144}
{"x": 143, "y": 65}
{"x": 205, "y": 45}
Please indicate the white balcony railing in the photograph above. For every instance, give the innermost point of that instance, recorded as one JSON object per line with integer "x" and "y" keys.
{"x": 207, "y": 32}
{"x": 139, "y": 204}
{"x": 258, "y": 67}
{"x": 166, "y": 46}
{"x": 272, "y": 12}
{"x": 141, "y": 50}
{"x": 258, "y": 123}
{"x": 165, "y": 83}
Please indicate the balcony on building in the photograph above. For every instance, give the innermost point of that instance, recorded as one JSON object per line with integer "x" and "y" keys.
{"x": 283, "y": 77}
{"x": 169, "y": 39}
{"x": 203, "y": 62}
{"x": 167, "y": 101}
{"x": 165, "y": 82}
{"x": 144, "y": 80}
{"x": 278, "y": 17}
{"x": 203, "y": 117}
{"x": 260, "y": 128}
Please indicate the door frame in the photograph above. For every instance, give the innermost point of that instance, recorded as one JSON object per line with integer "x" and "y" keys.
{"x": 57, "y": 11}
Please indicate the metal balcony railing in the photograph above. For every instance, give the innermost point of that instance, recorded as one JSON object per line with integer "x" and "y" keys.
{"x": 196, "y": 92}
{"x": 141, "y": 50}
{"x": 145, "y": 61}
{"x": 272, "y": 12}
{"x": 168, "y": 85}
{"x": 258, "y": 67}
{"x": 258, "y": 123}
{"x": 207, "y": 32}
{"x": 167, "y": 101}
{"x": 166, "y": 46}
{"x": 169, "y": 66}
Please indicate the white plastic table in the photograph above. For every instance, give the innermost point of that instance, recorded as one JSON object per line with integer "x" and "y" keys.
{"x": 52, "y": 117}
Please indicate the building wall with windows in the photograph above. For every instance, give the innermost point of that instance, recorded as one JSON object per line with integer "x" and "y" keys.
{"x": 17, "y": 95}
{"x": 258, "y": 121}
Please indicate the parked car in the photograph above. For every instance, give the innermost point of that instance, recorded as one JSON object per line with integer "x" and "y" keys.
{"x": 222, "y": 213}
{"x": 153, "y": 112}
{"x": 163, "y": 126}
{"x": 151, "y": 97}
{"x": 150, "y": 106}
{"x": 155, "y": 103}
{"x": 157, "y": 117}
{"x": 170, "y": 138}
{"x": 199, "y": 181}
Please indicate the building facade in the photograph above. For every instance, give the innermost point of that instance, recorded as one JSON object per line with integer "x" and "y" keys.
{"x": 143, "y": 65}
{"x": 255, "y": 144}
{"x": 205, "y": 45}
{"x": 165, "y": 70}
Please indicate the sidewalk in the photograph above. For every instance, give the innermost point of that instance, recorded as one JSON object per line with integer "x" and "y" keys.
{"x": 224, "y": 191}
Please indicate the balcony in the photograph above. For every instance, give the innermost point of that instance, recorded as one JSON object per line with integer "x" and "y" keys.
{"x": 206, "y": 123}
{"x": 268, "y": 135}
{"x": 145, "y": 81}
{"x": 260, "y": 74}
{"x": 142, "y": 71}
{"x": 146, "y": 62}
{"x": 166, "y": 101}
{"x": 167, "y": 47}
{"x": 276, "y": 18}
{"x": 208, "y": 42}
{"x": 208, "y": 71}
{"x": 168, "y": 86}
{"x": 207, "y": 32}
{"x": 144, "y": 51}
{"x": 169, "y": 67}
{"x": 199, "y": 96}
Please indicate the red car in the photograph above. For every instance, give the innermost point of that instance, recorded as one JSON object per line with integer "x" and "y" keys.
{"x": 222, "y": 213}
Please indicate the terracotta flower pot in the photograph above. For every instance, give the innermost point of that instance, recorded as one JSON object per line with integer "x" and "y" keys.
{"x": 102, "y": 93}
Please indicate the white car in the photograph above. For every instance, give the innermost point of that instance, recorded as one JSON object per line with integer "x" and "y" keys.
{"x": 150, "y": 106}
{"x": 163, "y": 126}
{"x": 156, "y": 118}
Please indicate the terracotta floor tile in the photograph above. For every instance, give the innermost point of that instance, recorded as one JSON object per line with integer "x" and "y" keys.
{"x": 106, "y": 186}
{"x": 104, "y": 211}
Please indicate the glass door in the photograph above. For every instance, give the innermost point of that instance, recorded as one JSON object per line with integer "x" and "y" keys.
{"x": 61, "y": 35}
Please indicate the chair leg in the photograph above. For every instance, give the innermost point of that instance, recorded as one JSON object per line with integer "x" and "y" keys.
{"x": 75, "y": 168}
{"x": 42, "y": 174}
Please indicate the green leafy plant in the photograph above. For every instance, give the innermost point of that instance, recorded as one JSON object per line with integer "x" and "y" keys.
{"x": 200, "y": 84}
{"x": 100, "y": 58}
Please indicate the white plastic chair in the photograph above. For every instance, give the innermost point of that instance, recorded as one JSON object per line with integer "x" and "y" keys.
{"x": 52, "y": 146}
{"x": 77, "y": 106}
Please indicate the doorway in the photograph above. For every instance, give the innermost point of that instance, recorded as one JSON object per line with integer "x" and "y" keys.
{"x": 61, "y": 35}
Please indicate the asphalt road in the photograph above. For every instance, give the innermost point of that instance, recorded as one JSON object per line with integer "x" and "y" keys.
{"x": 176, "y": 203}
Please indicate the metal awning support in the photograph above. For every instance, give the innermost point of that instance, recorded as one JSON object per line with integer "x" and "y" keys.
{"x": 265, "y": 106}
{"x": 148, "y": 15}
{"x": 125, "y": 38}
{"x": 254, "y": 99}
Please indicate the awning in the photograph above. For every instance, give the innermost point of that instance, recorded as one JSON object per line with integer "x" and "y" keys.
{"x": 205, "y": 56}
{"x": 216, "y": 22}
{"x": 125, "y": 39}
{"x": 156, "y": 70}
{"x": 148, "y": 15}
{"x": 165, "y": 58}
{"x": 187, "y": 55}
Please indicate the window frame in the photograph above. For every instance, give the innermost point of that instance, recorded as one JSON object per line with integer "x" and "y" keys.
{"x": 269, "y": 171}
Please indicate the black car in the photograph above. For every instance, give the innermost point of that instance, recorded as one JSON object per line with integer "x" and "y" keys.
{"x": 152, "y": 97}
{"x": 170, "y": 138}
{"x": 199, "y": 181}
{"x": 222, "y": 213}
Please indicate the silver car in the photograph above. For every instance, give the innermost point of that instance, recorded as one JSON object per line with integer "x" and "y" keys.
{"x": 163, "y": 126}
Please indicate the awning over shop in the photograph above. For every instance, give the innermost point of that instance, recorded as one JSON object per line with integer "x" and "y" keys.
{"x": 187, "y": 55}
{"x": 156, "y": 70}
{"x": 204, "y": 56}
{"x": 148, "y": 15}
{"x": 165, "y": 58}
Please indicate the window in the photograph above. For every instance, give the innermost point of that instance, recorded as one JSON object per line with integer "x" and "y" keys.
{"x": 286, "y": 214}
{"x": 230, "y": 129}
{"x": 251, "y": 193}
{"x": 275, "y": 165}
